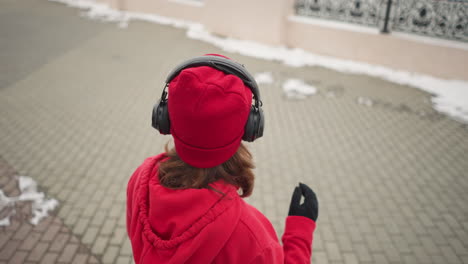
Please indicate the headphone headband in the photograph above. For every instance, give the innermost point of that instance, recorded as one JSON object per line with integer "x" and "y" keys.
{"x": 225, "y": 65}
{"x": 254, "y": 125}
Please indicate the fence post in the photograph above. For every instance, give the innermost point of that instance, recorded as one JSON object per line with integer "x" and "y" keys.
{"x": 387, "y": 17}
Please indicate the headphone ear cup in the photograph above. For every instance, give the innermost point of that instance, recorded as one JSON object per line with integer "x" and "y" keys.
{"x": 160, "y": 118}
{"x": 254, "y": 126}
{"x": 261, "y": 124}
{"x": 154, "y": 117}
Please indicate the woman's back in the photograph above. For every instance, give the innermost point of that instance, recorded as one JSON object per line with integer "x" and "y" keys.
{"x": 201, "y": 225}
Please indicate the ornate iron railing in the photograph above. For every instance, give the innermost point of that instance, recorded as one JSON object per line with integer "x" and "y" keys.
{"x": 365, "y": 12}
{"x": 446, "y": 19}
{"x": 437, "y": 18}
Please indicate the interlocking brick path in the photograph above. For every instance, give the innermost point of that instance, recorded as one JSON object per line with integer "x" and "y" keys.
{"x": 391, "y": 178}
{"x": 51, "y": 241}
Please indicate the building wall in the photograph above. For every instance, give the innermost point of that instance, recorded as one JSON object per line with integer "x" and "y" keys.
{"x": 272, "y": 22}
{"x": 441, "y": 58}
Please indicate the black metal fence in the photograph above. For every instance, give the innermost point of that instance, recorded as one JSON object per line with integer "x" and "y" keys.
{"x": 437, "y": 18}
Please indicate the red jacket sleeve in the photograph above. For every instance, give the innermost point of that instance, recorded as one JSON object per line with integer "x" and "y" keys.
{"x": 131, "y": 198}
{"x": 297, "y": 239}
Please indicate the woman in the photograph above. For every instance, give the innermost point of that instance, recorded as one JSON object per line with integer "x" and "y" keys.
{"x": 185, "y": 205}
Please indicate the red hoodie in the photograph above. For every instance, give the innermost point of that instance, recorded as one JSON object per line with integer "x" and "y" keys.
{"x": 204, "y": 226}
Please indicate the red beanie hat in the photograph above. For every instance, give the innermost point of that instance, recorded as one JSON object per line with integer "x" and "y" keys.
{"x": 208, "y": 110}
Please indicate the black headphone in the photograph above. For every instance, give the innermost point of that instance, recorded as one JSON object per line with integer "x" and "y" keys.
{"x": 255, "y": 123}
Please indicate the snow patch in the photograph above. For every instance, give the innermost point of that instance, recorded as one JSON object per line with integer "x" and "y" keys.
{"x": 298, "y": 89}
{"x": 450, "y": 96}
{"x": 41, "y": 208}
{"x": 5, "y": 221}
{"x": 40, "y": 205}
{"x": 365, "y": 101}
{"x": 331, "y": 94}
{"x": 264, "y": 78}
{"x": 4, "y": 203}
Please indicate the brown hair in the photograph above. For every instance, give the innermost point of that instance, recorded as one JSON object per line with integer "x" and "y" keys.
{"x": 176, "y": 174}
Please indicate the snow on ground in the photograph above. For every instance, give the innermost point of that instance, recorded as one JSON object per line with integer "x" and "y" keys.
{"x": 5, "y": 221}
{"x": 4, "y": 204}
{"x": 298, "y": 89}
{"x": 450, "y": 96}
{"x": 365, "y": 101}
{"x": 40, "y": 205}
{"x": 264, "y": 78}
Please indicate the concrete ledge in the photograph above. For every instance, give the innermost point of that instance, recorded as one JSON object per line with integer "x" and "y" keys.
{"x": 444, "y": 59}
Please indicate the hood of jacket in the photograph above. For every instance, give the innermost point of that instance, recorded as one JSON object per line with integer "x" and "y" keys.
{"x": 178, "y": 226}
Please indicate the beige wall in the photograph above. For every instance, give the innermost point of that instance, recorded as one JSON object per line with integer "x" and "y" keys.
{"x": 268, "y": 21}
{"x": 261, "y": 20}
{"x": 256, "y": 20}
{"x": 389, "y": 50}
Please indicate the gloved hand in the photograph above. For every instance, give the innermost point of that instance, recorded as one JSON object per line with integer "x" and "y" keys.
{"x": 309, "y": 208}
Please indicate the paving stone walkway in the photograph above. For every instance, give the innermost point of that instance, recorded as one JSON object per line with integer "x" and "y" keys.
{"x": 51, "y": 241}
{"x": 76, "y": 97}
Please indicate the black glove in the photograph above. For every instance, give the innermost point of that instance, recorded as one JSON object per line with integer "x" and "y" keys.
{"x": 309, "y": 208}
